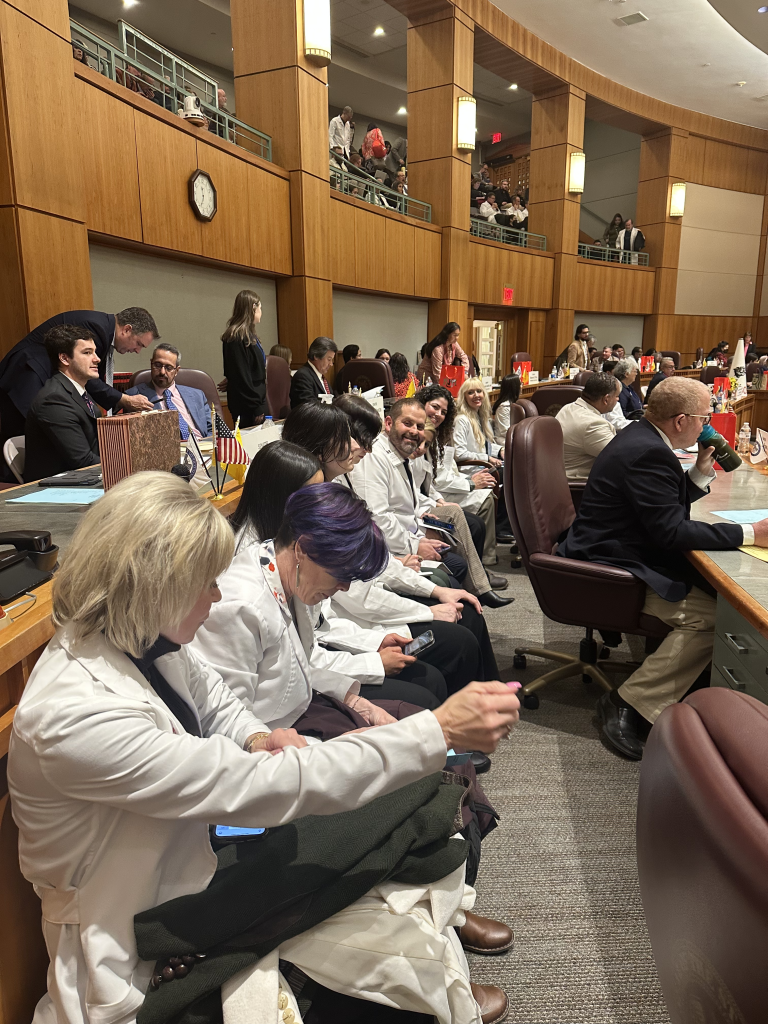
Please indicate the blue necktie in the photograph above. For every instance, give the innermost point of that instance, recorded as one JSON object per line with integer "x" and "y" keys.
{"x": 89, "y": 405}
{"x": 183, "y": 428}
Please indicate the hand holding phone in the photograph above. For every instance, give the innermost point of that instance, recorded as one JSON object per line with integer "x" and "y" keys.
{"x": 421, "y": 643}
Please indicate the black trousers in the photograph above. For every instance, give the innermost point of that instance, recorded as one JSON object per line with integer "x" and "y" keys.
{"x": 421, "y": 684}
{"x": 456, "y": 653}
{"x": 471, "y": 622}
{"x": 456, "y": 564}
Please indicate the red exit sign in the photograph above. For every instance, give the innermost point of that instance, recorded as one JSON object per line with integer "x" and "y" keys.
{"x": 496, "y": 137}
{"x": 507, "y": 295}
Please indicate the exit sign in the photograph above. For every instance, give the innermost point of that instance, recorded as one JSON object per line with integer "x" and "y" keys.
{"x": 496, "y": 137}
{"x": 507, "y": 295}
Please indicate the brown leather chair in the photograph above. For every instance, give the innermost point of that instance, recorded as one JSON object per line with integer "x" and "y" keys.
{"x": 672, "y": 354}
{"x": 365, "y": 374}
{"x": 702, "y": 856}
{"x": 528, "y": 407}
{"x": 752, "y": 369}
{"x": 278, "y": 387}
{"x": 516, "y": 414}
{"x": 708, "y": 373}
{"x": 582, "y": 377}
{"x": 547, "y": 399}
{"x": 519, "y": 357}
{"x": 699, "y": 354}
{"x": 189, "y": 378}
{"x": 573, "y": 592}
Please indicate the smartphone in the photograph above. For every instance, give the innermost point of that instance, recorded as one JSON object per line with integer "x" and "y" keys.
{"x": 421, "y": 643}
{"x": 453, "y": 759}
{"x": 237, "y": 835}
{"x": 438, "y": 524}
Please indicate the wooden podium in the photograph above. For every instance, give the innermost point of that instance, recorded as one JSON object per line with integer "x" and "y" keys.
{"x": 138, "y": 441}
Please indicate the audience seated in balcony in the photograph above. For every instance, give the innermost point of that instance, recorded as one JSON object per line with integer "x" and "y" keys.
{"x": 79, "y": 54}
{"x": 135, "y": 80}
{"x": 630, "y": 240}
{"x": 502, "y": 193}
{"x": 518, "y": 215}
{"x": 404, "y": 379}
{"x": 489, "y": 208}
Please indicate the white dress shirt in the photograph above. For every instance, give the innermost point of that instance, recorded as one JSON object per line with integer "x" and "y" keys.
{"x": 585, "y": 434}
{"x": 340, "y": 134}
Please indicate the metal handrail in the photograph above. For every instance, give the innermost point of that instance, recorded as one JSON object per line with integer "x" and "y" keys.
{"x": 361, "y": 185}
{"x": 602, "y": 252}
{"x": 166, "y": 80}
{"x": 509, "y": 236}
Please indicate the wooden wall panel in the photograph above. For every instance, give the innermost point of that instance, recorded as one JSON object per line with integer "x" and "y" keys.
{"x": 113, "y": 206}
{"x": 606, "y": 289}
{"x": 687, "y": 333}
{"x": 268, "y": 218}
{"x": 491, "y": 266}
{"x": 57, "y": 272}
{"x": 166, "y": 160}
{"x": 370, "y": 242}
{"x": 426, "y": 281}
{"x": 227, "y": 236}
{"x": 38, "y": 103}
{"x": 342, "y": 242}
{"x": 13, "y": 316}
{"x": 51, "y": 14}
{"x": 399, "y": 249}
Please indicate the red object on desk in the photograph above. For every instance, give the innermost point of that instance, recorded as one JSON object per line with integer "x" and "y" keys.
{"x": 725, "y": 423}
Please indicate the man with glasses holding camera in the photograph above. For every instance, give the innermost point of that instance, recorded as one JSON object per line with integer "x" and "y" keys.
{"x": 635, "y": 514}
{"x": 164, "y": 393}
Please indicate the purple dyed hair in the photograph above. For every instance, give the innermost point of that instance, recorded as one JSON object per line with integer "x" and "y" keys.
{"x": 336, "y": 530}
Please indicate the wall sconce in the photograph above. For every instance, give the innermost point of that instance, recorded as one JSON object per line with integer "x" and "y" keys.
{"x": 677, "y": 201}
{"x": 317, "y": 31}
{"x": 576, "y": 172}
{"x": 466, "y": 121}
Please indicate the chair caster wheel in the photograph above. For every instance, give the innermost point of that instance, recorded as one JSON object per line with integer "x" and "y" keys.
{"x": 531, "y": 701}
{"x": 605, "y": 652}
{"x": 520, "y": 661}
{"x": 586, "y": 679}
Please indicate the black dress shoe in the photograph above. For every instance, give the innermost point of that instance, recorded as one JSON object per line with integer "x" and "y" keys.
{"x": 505, "y": 538}
{"x": 624, "y": 728}
{"x": 481, "y": 762}
{"x": 491, "y": 600}
{"x": 497, "y": 582}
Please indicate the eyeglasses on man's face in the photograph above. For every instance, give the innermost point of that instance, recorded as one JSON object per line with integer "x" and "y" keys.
{"x": 706, "y": 416}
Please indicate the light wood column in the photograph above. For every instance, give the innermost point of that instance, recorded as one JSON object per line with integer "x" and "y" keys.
{"x": 557, "y": 130}
{"x": 440, "y": 69}
{"x": 662, "y": 162}
{"x": 44, "y": 263}
{"x": 283, "y": 94}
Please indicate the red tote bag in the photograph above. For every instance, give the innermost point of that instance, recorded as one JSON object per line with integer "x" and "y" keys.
{"x": 452, "y": 377}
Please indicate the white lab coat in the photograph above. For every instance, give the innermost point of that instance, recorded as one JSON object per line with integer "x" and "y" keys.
{"x": 501, "y": 424}
{"x": 113, "y": 799}
{"x": 453, "y": 485}
{"x": 466, "y": 446}
{"x": 487, "y": 211}
{"x": 251, "y": 640}
{"x": 380, "y": 479}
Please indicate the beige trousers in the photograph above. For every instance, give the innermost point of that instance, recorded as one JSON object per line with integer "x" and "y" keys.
{"x": 667, "y": 674}
{"x": 487, "y": 513}
{"x": 476, "y": 581}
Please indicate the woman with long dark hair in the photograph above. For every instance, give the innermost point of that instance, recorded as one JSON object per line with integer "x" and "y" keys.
{"x": 509, "y": 392}
{"x": 401, "y": 374}
{"x": 245, "y": 364}
{"x": 611, "y": 232}
{"x": 443, "y": 350}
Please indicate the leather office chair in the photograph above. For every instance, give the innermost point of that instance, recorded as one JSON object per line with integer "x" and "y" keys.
{"x": 189, "y": 378}
{"x": 702, "y": 855}
{"x": 365, "y": 374}
{"x": 582, "y": 377}
{"x": 699, "y": 354}
{"x": 569, "y": 591}
{"x": 708, "y": 373}
{"x": 516, "y": 414}
{"x": 519, "y": 357}
{"x": 528, "y": 407}
{"x": 278, "y": 387}
{"x": 672, "y": 354}
{"x": 752, "y": 369}
{"x": 549, "y": 401}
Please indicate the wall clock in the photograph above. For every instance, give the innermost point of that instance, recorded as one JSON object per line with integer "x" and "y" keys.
{"x": 202, "y": 196}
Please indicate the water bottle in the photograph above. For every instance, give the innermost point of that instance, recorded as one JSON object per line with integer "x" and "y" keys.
{"x": 553, "y": 375}
{"x": 725, "y": 455}
{"x": 268, "y": 422}
{"x": 745, "y": 439}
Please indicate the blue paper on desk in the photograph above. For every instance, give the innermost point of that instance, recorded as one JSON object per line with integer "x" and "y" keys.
{"x": 60, "y": 496}
{"x": 744, "y": 516}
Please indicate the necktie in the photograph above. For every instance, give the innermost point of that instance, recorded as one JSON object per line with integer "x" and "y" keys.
{"x": 89, "y": 405}
{"x": 183, "y": 428}
{"x": 109, "y": 374}
{"x": 410, "y": 480}
{"x": 325, "y": 385}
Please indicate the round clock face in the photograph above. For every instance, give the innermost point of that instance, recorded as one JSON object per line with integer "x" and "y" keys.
{"x": 205, "y": 197}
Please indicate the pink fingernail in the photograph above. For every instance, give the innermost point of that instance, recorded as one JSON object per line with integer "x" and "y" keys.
{"x": 514, "y": 686}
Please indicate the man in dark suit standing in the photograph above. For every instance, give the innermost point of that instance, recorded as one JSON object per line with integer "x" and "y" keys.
{"x": 25, "y": 369}
{"x": 309, "y": 380}
{"x": 61, "y": 425}
{"x": 635, "y": 514}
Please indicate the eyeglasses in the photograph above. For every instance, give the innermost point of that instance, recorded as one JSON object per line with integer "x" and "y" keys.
{"x": 699, "y": 416}
{"x": 164, "y": 366}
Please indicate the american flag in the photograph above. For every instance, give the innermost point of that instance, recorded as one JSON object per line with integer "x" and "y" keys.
{"x": 228, "y": 448}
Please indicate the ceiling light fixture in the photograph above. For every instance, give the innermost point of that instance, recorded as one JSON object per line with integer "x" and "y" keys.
{"x": 379, "y": 31}
{"x": 130, "y": 3}
{"x": 762, "y": 10}
{"x": 402, "y": 111}
{"x": 466, "y": 122}
{"x": 513, "y": 86}
{"x": 317, "y": 31}
{"x": 741, "y": 84}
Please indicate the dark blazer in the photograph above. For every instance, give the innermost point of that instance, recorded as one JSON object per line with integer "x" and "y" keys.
{"x": 635, "y": 514}
{"x": 246, "y": 371}
{"x": 25, "y": 369}
{"x": 629, "y": 400}
{"x": 194, "y": 399}
{"x": 60, "y": 433}
{"x": 657, "y": 378}
{"x": 305, "y": 385}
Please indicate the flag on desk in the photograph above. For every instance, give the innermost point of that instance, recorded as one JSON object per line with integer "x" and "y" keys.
{"x": 759, "y": 450}
{"x": 228, "y": 448}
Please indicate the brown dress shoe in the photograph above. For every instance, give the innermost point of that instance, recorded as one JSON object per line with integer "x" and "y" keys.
{"x": 482, "y": 935}
{"x": 493, "y": 1003}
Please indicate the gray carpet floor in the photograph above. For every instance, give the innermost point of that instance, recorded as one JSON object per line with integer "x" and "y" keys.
{"x": 560, "y": 868}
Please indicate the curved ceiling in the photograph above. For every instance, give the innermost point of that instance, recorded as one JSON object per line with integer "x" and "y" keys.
{"x": 686, "y": 53}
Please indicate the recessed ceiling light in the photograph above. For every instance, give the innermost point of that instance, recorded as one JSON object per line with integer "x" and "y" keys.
{"x": 379, "y": 31}
{"x": 402, "y": 110}
{"x": 130, "y": 3}
{"x": 740, "y": 84}
{"x": 762, "y": 10}
{"x": 513, "y": 86}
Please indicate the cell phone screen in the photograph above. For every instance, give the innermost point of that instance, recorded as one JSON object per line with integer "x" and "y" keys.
{"x": 420, "y": 643}
{"x": 232, "y": 832}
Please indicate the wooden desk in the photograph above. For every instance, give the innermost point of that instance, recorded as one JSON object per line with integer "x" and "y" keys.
{"x": 740, "y": 658}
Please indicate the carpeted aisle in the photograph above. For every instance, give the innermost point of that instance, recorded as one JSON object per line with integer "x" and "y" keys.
{"x": 561, "y": 866}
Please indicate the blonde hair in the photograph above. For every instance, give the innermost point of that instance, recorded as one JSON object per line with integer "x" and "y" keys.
{"x": 139, "y": 560}
{"x": 674, "y": 396}
{"x": 480, "y": 419}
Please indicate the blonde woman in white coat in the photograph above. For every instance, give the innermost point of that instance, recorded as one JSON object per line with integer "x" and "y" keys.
{"x": 125, "y": 746}
{"x": 473, "y": 429}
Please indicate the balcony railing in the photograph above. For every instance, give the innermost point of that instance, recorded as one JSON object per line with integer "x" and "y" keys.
{"x": 602, "y": 252}
{"x": 150, "y": 70}
{"x": 509, "y": 236}
{"x": 362, "y": 186}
